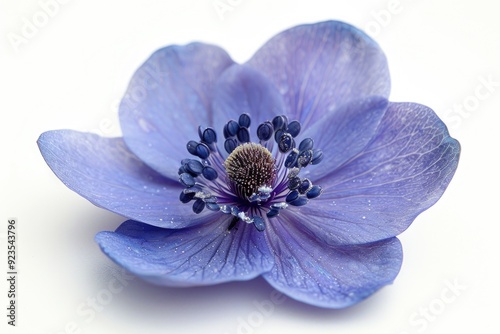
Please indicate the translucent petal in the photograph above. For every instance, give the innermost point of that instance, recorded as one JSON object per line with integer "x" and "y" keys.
{"x": 343, "y": 134}
{"x": 378, "y": 193}
{"x": 328, "y": 276}
{"x": 201, "y": 255}
{"x": 242, "y": 89}
{"x": 318, "y": 67}
{"x": 167, "y": 98}
{"x": 104, "y": 171}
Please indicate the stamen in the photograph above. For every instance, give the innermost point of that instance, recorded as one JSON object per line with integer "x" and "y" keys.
{"x": 286, "y": 142}
{"x": 259, "y": 223}
{"x": 251, "y": 177}
{"x": 198, "y": 206}
{"x": 187, "y": 180}
{"x": 209, "y": 173}
{"x": 244, "y": 120}
{"x": 293, "y": 128}
{"x": 265, "y": 131}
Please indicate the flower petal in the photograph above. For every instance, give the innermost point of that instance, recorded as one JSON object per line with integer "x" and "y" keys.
{"x": 201, "y": 255}
{"x": 318, "y": 67}
{"x": 105, "y": 172}
{"x": 377, "y": 194}
{"x": 344, "y": 133}
{"x": 242, "y": 89}
{"x": 168, "y": 97}
{"x": 328, "y": 276}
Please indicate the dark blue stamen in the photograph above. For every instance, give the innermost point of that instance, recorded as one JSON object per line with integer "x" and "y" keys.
{"x": 314, "y": 192}
{"x": 209, "y": 136}
{"x": 191, "y": 147}
{"x": 294, "y": 183}
{"x": 306, "y": 144}
{"x": 244, "y": 120}
{"x": 209, "y": 173}
{"x": 279, "y": 123}
{"x": 317, "y": 157}
{"x": 213, "y": 206}
{"x": 210, "y": 199}
{"x": 187, "y": 179}
{"x": 299, "y": 201}
{"x": 265, "y": 131}
{"x": 272, "y": 213}
{"x": 305, "y": 158}
{"x": 194, "y": 167}
{"x": 259, "y": 223}
{"x": 202, "y": 151}
{"x": 230, "y": 144}
{"x": 293, "y": 128}
{"x": 291, "y": 159}
{"x": 182, "y": 169}
{"x": 186, "y": 197}
{"x": 278, "y": 134}
{"x": 305, "y": 186}
{"x": 264, "y": 194}
{"x": 198, "y": 206}
{"x": 286, "y": 143}
{"x": 231, "y": 129}
{"x": 243, "y": 135}
{"x": 292, "y": 196}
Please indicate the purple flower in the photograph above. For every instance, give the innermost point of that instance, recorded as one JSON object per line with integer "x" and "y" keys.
{"x": 293, "y": 166}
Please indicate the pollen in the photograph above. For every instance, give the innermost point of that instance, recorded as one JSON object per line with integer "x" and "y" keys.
{"x": 249, "y": 167}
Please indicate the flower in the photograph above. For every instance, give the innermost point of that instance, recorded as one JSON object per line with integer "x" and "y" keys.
{"x": 300, "y": 170}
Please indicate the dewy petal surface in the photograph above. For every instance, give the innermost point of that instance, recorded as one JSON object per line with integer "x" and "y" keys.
{"x": 378, "y": 193}
{"x": 318, "y": 67}
{"x": 104, "y": 171}
{"x": 168, "y": 97}
{"x": 201, "y": 255}
{"x": 328, "y": 276}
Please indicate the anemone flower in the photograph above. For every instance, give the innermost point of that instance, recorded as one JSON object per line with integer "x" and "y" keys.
{"x": 293, "y": 166}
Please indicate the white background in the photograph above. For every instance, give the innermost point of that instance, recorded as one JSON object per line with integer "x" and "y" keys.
{"x": 72, "y": 72}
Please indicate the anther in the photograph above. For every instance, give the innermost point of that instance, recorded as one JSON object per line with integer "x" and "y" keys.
{"x": 187, "y": 179}
{"x": 305, "y": 186}
{"x": 186, "y": 197}
{"x": 231, "y": 129}
{"x": 198, "y": 206}
{"x": 191, "y": 147}
{"x": 202, "y": 151}
{"x": 300, "y": 201}
{"x": 279, "y": 123}
{"x": 194, "y": 167}
{"x": 230, "y": 144}
{"x": 259, "y": 223}
{"x": 293, "y": 128}
{"x": 306, "y": 144}
{"x": 285, "y": 143}
{"x": 314, "y": 192}
{"x": 294, "y": 183}
{"x": 209, "y": 136}
{"x": 243, "y": 135}
{"x": 265, "y": 131}
{"x": 291, "y": 159}
{"x": 317, "y": 157}
{"x": 244, "y": 120}
{"x": 209, "y": 173}
{"x": 305, "y": 158}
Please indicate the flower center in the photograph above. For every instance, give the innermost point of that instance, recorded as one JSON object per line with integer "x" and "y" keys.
{"x": 257, "y": 180}
{"x": 249, "y": 167}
